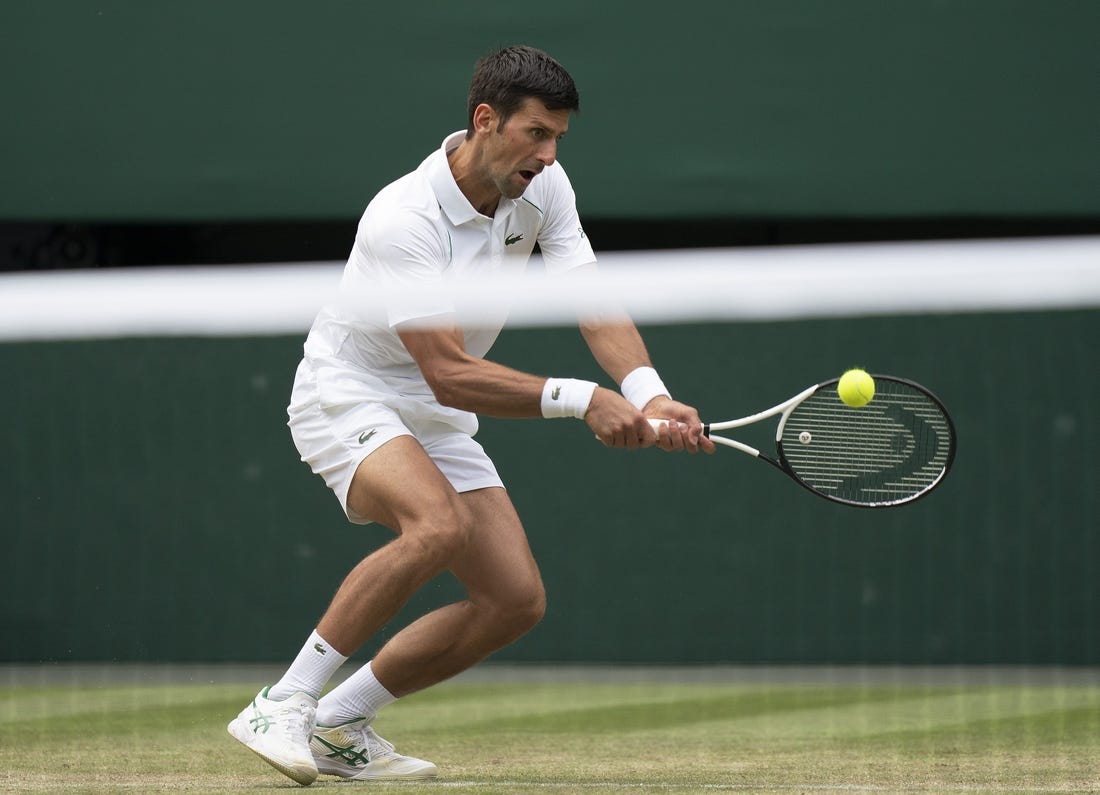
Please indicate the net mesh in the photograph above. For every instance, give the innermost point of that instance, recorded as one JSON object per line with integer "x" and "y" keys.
{"x": 168, "y": 453}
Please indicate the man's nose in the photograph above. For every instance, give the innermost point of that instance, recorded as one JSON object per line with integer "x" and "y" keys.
{"x": 548, "y": 153}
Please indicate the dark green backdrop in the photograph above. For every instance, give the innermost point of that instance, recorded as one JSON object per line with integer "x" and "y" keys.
{"x": 153, "y": 506}
{"x": 272, "y": 109}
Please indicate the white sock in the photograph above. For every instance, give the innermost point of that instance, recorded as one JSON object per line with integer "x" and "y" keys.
{"x": 310, "y": 671}
{"x": 361, "y": 695}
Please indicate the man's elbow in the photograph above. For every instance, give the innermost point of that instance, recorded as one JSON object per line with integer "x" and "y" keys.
{"x": 447, "y": 388}
{"x": 447, "y": 395}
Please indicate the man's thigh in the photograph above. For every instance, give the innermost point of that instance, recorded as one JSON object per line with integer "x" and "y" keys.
{"x": 399, "y": 485}
{"x": 497, "y": 562}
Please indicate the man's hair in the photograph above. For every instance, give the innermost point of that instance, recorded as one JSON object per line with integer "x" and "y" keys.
{"x": 505, "y": 79}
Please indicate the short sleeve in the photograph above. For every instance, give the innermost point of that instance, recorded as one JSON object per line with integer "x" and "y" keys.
{"x": 562, "y": 240}
{"x": 400, "y": 251}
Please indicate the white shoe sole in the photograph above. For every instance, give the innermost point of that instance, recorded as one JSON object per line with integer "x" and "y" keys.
{"x": 302, "y": 775}
{"x": 425, "y": 772}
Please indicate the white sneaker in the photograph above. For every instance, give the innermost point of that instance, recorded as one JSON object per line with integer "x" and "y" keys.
{"x": 352, "y": 750}
{"x": 278, "y": 732}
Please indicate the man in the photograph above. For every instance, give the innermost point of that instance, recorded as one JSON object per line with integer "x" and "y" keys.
{"x": 384, "y": 408}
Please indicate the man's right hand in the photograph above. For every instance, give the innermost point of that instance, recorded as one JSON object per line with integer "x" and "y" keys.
{"x": 617, "y": 423}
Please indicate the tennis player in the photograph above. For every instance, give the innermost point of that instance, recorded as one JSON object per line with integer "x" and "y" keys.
{"x": 384, "y": 408}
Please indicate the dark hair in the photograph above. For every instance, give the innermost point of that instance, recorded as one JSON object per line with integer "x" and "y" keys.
{"x": 505, "y": 79}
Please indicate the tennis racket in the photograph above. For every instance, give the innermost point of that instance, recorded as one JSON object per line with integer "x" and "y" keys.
{"x": 893, "y": 450}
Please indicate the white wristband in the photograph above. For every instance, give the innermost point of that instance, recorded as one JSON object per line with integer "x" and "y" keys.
{"x": 642, "y": 385}
{"x": 566, "y": 397}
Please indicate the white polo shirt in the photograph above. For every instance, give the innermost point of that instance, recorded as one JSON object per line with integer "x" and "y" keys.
{"x": 422, "y": 229}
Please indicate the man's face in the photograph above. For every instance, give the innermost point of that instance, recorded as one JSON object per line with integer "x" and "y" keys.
{"x": 524, "y": 147}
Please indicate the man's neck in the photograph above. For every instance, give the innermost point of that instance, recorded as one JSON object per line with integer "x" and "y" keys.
{"x": 481, "y": 193}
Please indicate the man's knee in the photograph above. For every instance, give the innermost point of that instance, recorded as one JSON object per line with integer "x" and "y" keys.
{"x": 533, "y": 612}
{"x": 441, "y": 532}
{"x": 522, "y": 612}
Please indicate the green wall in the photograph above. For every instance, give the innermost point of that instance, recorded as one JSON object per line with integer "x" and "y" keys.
{"x": 272, "y": 109}
{"x": 154, "y": 508}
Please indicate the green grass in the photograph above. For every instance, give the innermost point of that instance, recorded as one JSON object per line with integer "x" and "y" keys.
{"x": 585, "y": 738}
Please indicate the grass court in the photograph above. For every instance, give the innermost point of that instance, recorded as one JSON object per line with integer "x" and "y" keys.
{"x": 603, "y": 736}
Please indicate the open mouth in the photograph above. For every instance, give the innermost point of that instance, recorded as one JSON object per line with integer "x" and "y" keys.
{"x": 527, "y": 175}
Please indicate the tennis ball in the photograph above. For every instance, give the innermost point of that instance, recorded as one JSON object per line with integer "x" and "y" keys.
{"x": 856, "y": 388}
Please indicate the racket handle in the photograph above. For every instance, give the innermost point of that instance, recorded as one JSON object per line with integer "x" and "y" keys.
{"x": 658, "y": 424}
{"x": 654, "y": 424}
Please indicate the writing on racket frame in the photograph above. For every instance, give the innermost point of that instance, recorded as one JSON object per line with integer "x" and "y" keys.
{"x": 891, "y": 451}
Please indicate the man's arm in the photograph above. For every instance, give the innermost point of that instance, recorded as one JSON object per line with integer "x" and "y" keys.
{"x": 466, "y": 382}
{"x": 616, "y": 345}
{"x": 619, "y": 350}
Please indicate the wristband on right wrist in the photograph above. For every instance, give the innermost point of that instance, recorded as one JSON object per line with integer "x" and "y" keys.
{"x": 566, "y": 397}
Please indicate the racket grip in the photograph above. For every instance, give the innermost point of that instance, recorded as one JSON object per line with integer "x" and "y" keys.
{"x": 657, "y": 425}
{"x": 654, "y": 424}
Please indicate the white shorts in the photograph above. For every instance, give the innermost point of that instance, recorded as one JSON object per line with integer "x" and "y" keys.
{"x": 335, "y": 439}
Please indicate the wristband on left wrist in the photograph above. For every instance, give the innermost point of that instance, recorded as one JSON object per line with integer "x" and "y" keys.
{"x": 641, "y": 385}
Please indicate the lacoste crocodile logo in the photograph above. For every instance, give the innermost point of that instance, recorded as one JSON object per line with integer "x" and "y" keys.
{"x": 317, "y": 647}
{"x": 554, "y": 395}
{"x": 366, "y": 435}
{"x": 513, "y": 239}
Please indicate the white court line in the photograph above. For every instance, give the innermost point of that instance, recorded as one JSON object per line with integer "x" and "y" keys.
{"x": 573, "y": 786}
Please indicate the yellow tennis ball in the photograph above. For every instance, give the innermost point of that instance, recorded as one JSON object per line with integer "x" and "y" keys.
{"x": 856, "y": 388}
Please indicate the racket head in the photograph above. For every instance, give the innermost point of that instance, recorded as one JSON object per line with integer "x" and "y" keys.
{"x": 892, "y": 451}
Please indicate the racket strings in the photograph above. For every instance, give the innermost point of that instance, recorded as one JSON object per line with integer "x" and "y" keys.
{"x": 888, "y": 451}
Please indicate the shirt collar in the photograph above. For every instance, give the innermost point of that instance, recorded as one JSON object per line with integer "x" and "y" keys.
{"x": 450, "y": 197}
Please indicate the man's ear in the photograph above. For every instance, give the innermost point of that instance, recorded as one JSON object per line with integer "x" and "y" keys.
{"x": 485, "y": 118}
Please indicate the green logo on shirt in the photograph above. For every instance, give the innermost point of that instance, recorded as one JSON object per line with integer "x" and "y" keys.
{"x": 366, "y": 435}
{"x": 513, "y": 239}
